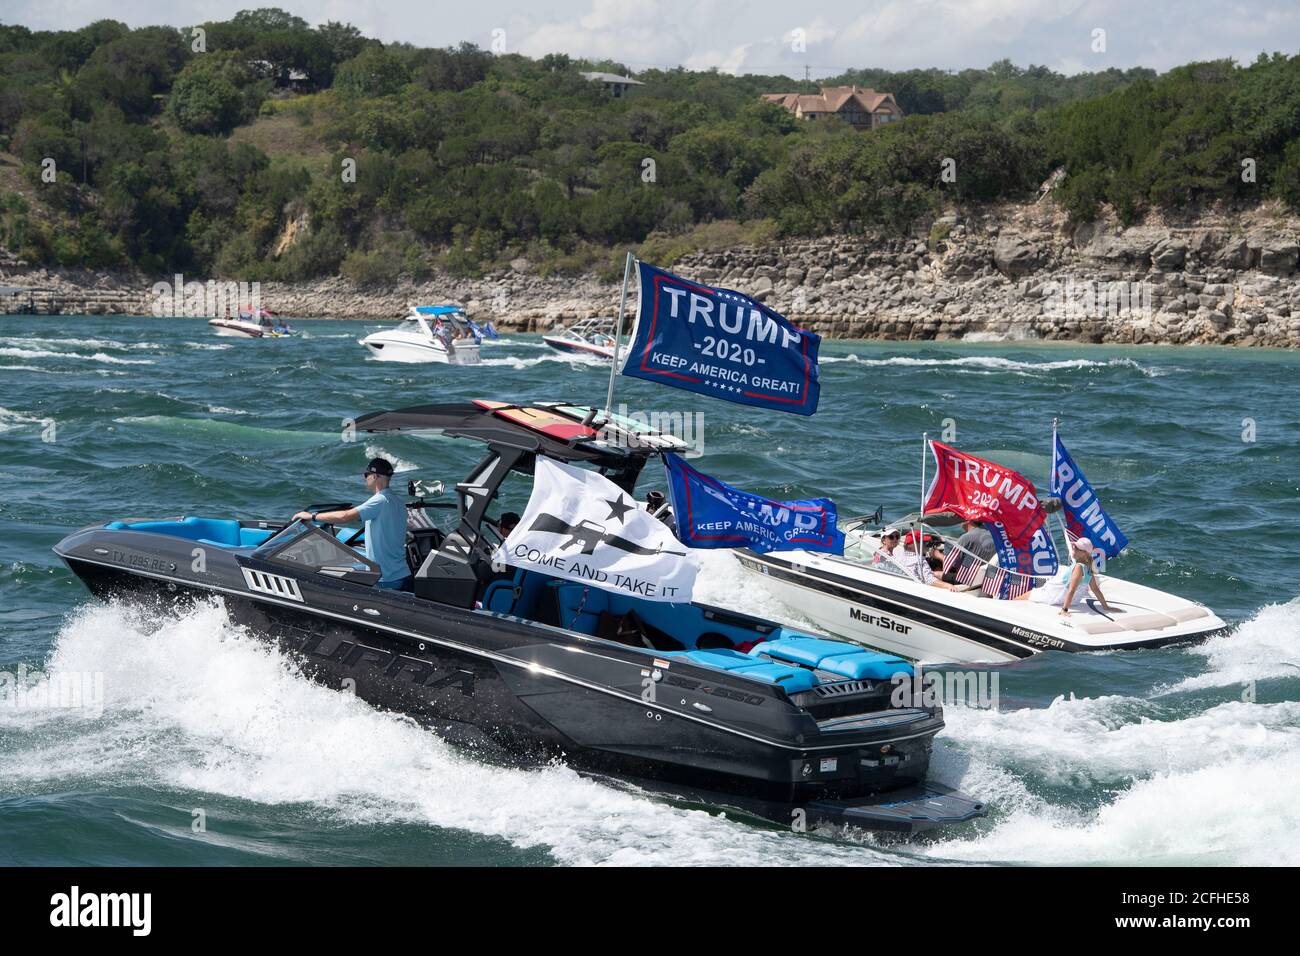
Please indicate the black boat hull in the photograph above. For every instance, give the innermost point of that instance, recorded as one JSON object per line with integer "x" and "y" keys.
{"x": 538, "y": 691}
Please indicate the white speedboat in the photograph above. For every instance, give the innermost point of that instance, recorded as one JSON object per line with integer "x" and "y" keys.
{"x": 593, "y": 336}
{"x": 883, "y": 607}
{"x": 431, "y": 333}
{"x": 248, "y": 326}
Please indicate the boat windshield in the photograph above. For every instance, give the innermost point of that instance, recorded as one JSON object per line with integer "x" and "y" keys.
{"x": 305, "y": 545}
{"x": 862, "y": 547}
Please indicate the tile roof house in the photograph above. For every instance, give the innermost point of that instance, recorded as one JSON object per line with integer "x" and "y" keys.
{"x": 861, "y": 109}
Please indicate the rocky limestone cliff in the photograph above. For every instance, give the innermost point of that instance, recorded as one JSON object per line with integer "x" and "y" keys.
{"x": 1023, "y": 272}
{"x": 1226, "y": 277}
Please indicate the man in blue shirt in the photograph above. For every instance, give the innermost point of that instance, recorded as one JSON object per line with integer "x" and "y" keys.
{"x": 385, "y": 516}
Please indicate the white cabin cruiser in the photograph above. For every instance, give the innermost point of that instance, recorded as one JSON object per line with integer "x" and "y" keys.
{"x": 883, "y": 607}
{"x": 593, "y": 336}
{"x": 431, "y": 333}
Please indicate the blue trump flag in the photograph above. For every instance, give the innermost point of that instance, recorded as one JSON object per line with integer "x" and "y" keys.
{"x": 711, "y": 514}
{"x": 1084, "y": 515}
{"x": 721, "y": 343}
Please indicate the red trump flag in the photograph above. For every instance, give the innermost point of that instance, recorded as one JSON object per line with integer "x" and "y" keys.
{"x": 982, "y": 491}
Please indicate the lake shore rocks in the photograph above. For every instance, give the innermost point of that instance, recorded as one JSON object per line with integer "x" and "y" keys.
{"x": 1012, "y": 271}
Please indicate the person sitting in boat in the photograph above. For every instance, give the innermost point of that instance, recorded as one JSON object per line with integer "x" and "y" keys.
{"x": 1069, "y": 586}
{"x": 912, "y": 556}
{"x": 385, "y": 516}
{"x": 934, "y": 554}
{"x": 976, "y": 545}
{"x": 888, "y": 546}
{"x": 507, "y": 523}
{"x": 657, "y": 504}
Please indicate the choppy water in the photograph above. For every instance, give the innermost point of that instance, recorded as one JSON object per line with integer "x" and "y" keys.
{"x": 1148, "y": 757}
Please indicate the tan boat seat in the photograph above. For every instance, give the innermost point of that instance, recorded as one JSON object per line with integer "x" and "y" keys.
{"x": 1129, "y": 621}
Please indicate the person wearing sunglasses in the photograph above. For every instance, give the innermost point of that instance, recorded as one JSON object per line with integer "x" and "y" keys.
{"x": 385, "y": 516}
{"x": 888, "y": 545}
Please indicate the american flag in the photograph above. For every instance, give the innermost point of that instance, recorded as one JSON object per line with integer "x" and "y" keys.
{"x": 992, "y": 586}
{"x": 967, "y": 571}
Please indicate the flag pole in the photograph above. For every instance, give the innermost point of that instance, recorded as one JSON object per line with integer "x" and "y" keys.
{"x": 1051, "y": 480}
{"x": 925, "y": 441}
{"x": 618, "y": 333}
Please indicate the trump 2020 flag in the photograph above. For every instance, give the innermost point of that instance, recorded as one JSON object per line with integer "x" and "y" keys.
{"x": 711, "y": 514}
{"x": 581, "y": 526}
{"x": 1001, "y": 498}
{"x": 1084, "y": 515}
{"x": 721, "y": 343}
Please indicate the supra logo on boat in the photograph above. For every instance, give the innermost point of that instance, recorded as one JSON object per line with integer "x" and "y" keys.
{"x": 394, "y": 665}
{"x": 882, "y": 621}
{"x": 1039, "y": 640}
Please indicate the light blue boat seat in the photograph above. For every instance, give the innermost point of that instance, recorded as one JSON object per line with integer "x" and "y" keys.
{"x": 836, "y": 657}
{"x": 580, "y": 606}
{"x": 216, "y": 532}
{"x": 791, "y": 679}
{"x": 515, "y": 595}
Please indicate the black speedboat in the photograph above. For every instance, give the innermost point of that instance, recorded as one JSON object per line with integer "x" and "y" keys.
{"x": 789, "y": 726}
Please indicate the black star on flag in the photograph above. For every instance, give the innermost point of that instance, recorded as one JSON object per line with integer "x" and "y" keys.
{"x": 618, "y": 507}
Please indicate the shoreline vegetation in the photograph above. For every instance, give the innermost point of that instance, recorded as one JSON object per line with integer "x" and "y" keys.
{"x": 352, "y": 178}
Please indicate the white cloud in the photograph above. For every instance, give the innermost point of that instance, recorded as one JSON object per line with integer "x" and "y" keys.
{"x": 724, "y": 62}
{"x": 755, "y": 36}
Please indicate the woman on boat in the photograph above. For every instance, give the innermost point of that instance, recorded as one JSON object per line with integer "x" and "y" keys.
{"x": 1070, "y": 579}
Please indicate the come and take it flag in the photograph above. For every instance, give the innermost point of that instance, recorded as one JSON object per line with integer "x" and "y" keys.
{"x": 1084, "y": 515}
{"x": 721, "y": 343}
{"x": 1001, "y": 498}
{"x": 712, "y": 514}
{"x": 581, "y": 526}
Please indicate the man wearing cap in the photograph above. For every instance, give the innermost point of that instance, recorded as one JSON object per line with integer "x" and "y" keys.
{"x": 911, "y": 557}
{"x": 385, "y": 516}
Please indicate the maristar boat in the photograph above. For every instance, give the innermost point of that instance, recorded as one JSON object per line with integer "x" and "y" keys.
{"x": 593, "y": 336}
{"x": 431, "y": 333}
{"x": 250, "y": 325}
{"x": 797, "y": 728}
{"x": 882, "y": 606}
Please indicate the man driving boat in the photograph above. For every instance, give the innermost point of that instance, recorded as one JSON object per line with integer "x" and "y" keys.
{"x": 385, "y": 516}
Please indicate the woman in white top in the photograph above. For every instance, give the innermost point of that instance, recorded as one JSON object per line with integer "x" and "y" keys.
{"x": 1064, "y": 587}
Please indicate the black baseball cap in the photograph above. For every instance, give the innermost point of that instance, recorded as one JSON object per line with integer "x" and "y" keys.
{"x": 379, "y": 466}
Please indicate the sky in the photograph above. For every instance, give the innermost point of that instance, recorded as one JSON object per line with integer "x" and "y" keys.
{"x": 773, "y": 36}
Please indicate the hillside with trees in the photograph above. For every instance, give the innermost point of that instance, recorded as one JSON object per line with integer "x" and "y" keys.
{"x": 232, "y": 156}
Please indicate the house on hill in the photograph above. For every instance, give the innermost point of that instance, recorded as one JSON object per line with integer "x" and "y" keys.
{"x": 861, "y": 109}
{"x": 614, "y": 84}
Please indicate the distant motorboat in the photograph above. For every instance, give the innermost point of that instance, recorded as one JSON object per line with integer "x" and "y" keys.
{"x": 431, "y": 333}
{"x": 593, "y": 336}
{"x": 250, "y": 325}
